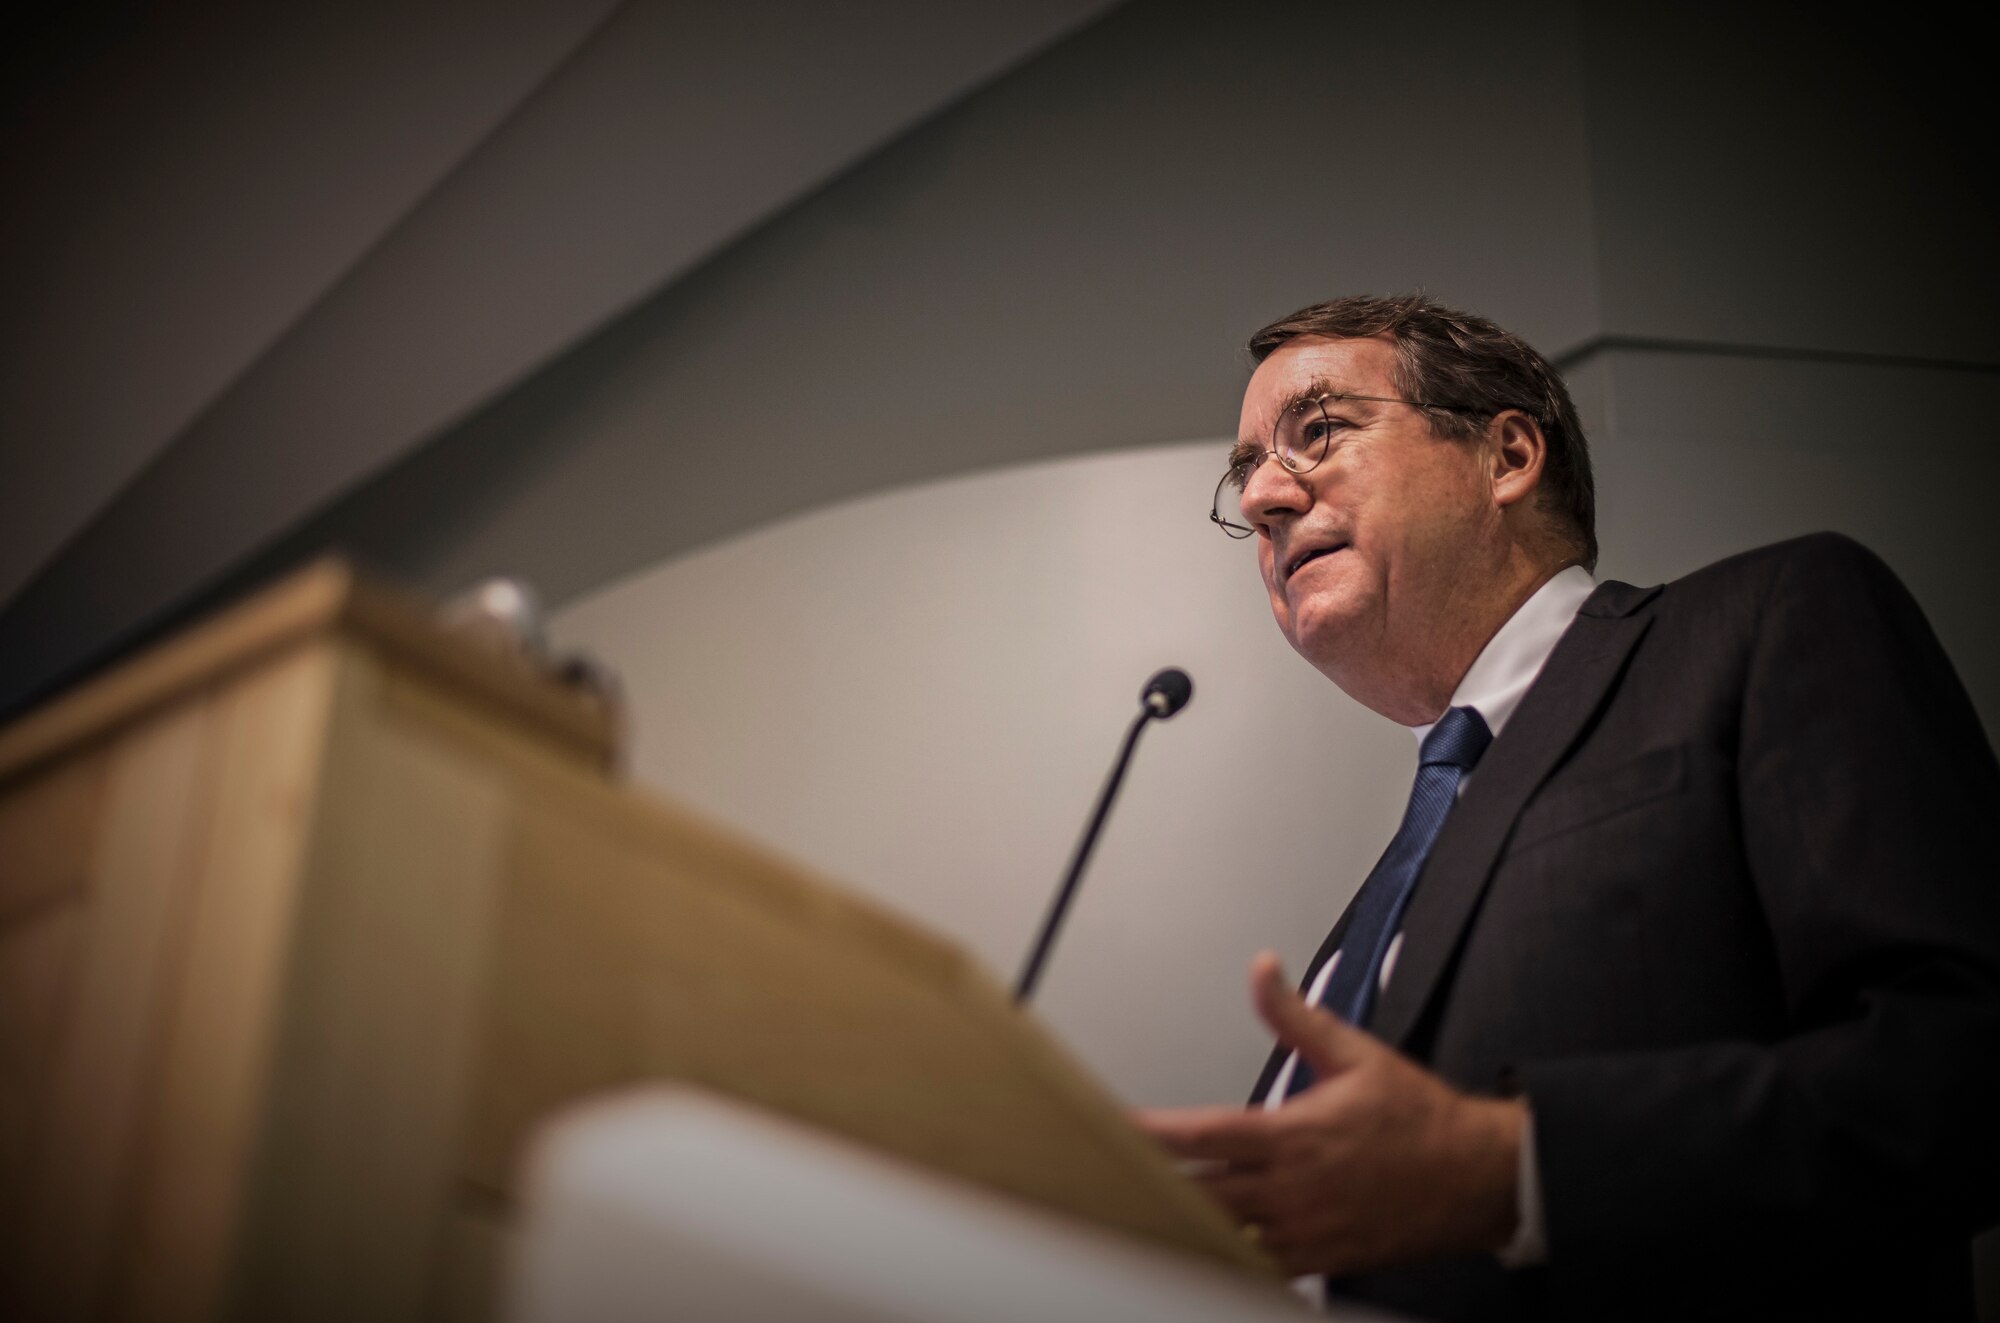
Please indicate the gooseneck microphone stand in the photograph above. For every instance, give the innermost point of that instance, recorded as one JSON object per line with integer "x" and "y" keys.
{"x": 1165, "y": 694}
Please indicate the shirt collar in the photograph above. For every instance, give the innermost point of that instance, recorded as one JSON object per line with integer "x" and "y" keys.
{"x": 1499, "y": 677}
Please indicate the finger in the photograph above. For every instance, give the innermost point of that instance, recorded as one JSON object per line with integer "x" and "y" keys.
{"x": 1326, "y": 1043}
{"x": 1245, "y": 1194}
{"x": 1231, "y": 1134}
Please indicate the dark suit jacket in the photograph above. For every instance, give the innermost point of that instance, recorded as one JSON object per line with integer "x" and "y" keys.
{"x": 1723, "y": 901}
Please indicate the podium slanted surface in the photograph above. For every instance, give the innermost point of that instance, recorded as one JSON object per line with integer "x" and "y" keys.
{"x": 308, "y": 916}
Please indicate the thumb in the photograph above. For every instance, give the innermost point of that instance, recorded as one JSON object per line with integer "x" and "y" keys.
{"x": 1324, "y": 1041}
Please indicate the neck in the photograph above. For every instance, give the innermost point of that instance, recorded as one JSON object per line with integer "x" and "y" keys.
{"x": 1411, "y": 674}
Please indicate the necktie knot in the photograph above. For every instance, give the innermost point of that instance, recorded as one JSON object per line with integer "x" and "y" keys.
{"x": 1458, "y": 740}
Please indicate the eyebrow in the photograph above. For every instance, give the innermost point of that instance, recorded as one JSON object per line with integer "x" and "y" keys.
{"x": 1312, "y": 390}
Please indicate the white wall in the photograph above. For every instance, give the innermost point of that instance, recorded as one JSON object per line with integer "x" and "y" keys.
{"x": 921, "y": 691}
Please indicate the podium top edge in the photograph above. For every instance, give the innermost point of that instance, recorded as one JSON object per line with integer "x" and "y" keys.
{"x": 326, "y": 598}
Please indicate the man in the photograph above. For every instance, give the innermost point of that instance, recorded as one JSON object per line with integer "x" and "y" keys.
{"x": 1678, "y": 991}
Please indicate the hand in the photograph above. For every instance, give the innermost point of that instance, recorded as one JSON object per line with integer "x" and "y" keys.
{"x": 1378, "y": 1163}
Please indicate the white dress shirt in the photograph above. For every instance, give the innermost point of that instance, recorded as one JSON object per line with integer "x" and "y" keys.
{"x": 1493, "y": 687}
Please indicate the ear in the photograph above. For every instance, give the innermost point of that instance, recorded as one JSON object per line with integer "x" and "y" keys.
{"x": 1517, "y": 450}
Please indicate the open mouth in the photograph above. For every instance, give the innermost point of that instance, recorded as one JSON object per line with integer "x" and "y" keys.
{"x": 1305, "y": 558}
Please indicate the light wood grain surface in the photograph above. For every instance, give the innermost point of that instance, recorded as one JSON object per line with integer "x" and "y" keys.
{"x": 311, "y": 917}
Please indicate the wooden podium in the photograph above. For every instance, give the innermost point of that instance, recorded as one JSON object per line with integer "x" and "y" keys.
{"x": 309, "y": 915}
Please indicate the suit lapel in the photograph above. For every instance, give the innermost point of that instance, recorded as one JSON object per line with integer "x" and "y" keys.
{"x": 1571, "y": 688}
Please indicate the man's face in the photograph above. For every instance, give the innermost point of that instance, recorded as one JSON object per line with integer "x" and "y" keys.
{"x": 1393, "y": 511}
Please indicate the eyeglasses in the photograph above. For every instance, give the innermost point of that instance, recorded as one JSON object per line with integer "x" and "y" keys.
{"x": 1300, "y": 438}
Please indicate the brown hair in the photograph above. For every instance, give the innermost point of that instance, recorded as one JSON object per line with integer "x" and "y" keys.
{"x": 1447, "y": 357}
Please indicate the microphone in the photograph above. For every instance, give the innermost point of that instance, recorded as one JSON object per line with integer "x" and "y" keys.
{"x": 1165, "y": 694}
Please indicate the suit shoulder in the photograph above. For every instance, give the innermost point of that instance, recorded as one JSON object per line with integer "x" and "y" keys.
{"x": 1824, "y": 586}
{"x": 1817, "y": 562}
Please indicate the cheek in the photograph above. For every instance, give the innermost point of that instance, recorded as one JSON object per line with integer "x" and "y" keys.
{"x": 1281, "y": 610}
{"x": 1418, "y": 516}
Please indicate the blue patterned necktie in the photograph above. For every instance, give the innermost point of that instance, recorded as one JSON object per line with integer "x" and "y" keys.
{"x": 1449, "y": 752}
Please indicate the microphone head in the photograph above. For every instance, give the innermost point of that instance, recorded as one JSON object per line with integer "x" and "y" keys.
{"x": 1167, "y": 692}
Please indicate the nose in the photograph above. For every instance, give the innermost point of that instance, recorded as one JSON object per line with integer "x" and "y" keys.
{"x": 1273, "y": 492}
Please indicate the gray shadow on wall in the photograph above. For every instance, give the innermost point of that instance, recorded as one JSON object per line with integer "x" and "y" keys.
{"x": 1066, "y": 261}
